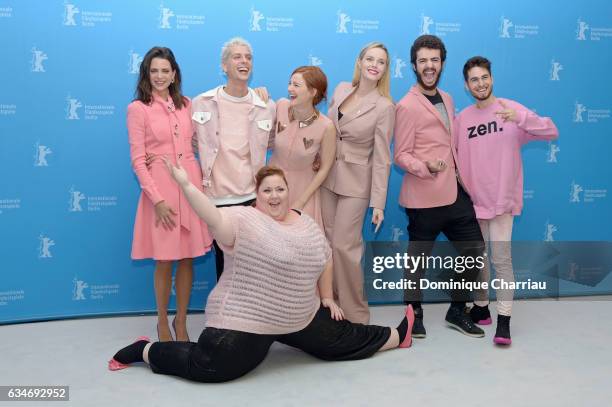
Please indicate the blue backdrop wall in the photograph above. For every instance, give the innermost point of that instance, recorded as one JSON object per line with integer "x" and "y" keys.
{"x": 68, "y": 194}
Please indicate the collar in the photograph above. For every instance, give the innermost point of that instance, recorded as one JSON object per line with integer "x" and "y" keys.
{"x": 169, "y": 104}
{"x": 213, "y": 94}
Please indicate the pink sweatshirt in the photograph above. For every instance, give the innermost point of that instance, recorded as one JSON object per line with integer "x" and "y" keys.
{"x": 489, "y": 155}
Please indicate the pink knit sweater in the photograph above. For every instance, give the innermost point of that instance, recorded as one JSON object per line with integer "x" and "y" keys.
{"x": 268, "y": 285}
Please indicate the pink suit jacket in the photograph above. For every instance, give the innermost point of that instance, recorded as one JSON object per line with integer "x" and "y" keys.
{"x": 205, "y": 116}
{"x": 420, "y": 135}
{"x": 363, "y": 138}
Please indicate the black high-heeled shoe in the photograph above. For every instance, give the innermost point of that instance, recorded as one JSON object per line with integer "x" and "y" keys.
{"x": 171, "y": 337}
{"x": 174, "y": 328}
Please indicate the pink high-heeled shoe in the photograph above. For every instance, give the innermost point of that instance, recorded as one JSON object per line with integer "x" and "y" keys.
{"x": 407, "y": 342}
{"x": 116, "y": 365}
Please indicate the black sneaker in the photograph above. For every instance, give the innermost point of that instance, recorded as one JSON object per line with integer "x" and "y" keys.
{"x": 480, "y": 315}
{"x": 418, "y": 329}
{"x": 461, "y": 321}
{"x": 502, "y": 334}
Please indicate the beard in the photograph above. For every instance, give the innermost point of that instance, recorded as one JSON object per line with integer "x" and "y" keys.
{"x": 427, "y": 87}
{"x": 485, "y": 97}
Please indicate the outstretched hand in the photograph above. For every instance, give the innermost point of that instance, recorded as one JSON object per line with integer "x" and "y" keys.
{"x": 178, "y": 173}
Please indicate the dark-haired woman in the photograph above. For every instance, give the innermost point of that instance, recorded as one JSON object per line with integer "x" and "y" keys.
{"x": 166, "y": 229}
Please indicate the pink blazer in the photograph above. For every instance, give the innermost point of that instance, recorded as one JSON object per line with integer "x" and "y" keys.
{"x": 150, "y": 130}
{"x": 205, "y": 116}
{"x": 420, "y": 135}
{"x": 363, "y": 138}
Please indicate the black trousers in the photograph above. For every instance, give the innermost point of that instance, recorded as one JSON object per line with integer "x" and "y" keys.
{"x": 219, "y": 263}
{"x": 222, "y": 355}
{"x": 458, "y": 223}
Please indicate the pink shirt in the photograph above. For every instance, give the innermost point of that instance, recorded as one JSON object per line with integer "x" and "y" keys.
{"x": 269, "y": 281}
{"x": 489, "y": 155}
{"x": 232, "y": 176}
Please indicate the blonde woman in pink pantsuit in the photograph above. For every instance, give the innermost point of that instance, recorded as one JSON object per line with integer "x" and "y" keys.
{"x": 363, "y": 114}
{"x": 166, "y": 229}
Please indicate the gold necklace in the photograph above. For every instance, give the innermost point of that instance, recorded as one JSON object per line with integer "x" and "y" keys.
{"x": 304, "y": 123}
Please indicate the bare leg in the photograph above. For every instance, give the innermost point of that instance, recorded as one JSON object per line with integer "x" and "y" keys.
{"x": 182, "y": 284}
{"x": 392, "y": 342}
{"x": 145, "y": 352}
{"x": 163, "y": 285}
{"x": 402, "y": 335}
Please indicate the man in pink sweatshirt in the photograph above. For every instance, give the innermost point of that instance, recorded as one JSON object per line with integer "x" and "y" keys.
{"x": 489, "y": 135}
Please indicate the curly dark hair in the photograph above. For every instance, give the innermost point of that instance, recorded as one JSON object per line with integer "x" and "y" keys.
{"x": 427, "y": 41}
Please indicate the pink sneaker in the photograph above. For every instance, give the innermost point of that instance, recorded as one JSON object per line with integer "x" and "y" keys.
{"x": 502, "y": 334}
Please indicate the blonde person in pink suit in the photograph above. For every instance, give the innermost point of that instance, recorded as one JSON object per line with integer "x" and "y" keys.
{"x": 166, "y": 229}
{"x": 302, "y": 133}
{"x": 363, "y": 115}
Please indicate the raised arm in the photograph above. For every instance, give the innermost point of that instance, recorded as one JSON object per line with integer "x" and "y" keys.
{"x": 218, "y": 225}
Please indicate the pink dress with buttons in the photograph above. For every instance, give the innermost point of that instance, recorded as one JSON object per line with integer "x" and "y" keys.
{"x": 295, "y": 149}
{"x": 162, "y": 130}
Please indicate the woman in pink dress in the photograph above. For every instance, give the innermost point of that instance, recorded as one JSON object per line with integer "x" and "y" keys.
{"x": 302, "y": 133}
{"x": 166, "y": 228}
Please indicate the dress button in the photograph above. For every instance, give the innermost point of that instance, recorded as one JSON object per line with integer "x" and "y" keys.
{"x": 180, "y": 155}
{"x": 217, "y": 133}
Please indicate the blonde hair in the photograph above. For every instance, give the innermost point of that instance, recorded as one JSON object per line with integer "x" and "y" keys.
{"x": 384, "y": 83}
{"x": 226, "y": 50}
